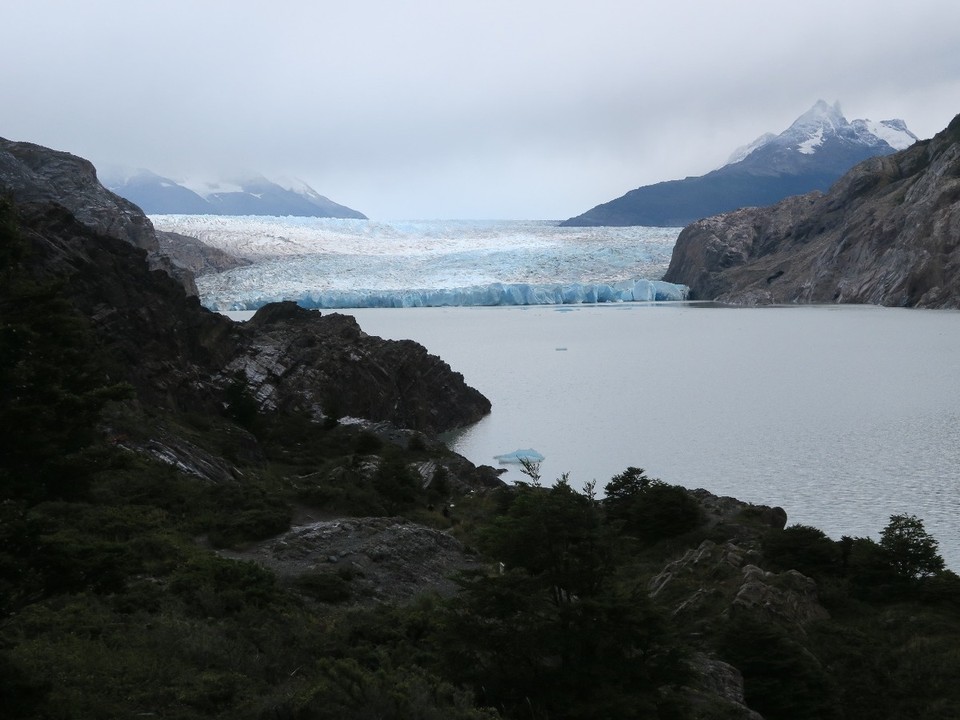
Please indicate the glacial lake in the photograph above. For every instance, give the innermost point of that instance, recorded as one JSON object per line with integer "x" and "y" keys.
{"x": 842, "y": 415}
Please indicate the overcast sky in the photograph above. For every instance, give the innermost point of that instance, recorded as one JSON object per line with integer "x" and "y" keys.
{"x": 534, "y": 109}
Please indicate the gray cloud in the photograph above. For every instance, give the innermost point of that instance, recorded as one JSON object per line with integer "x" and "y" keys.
{"x": 470, "y": 109}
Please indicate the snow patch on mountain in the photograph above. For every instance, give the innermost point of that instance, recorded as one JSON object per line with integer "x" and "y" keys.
{"x": 810, "y": 145}
{"x": 893, "y": 132}
{"x": 207, "y": 188}
{"x": 741, "y": 152}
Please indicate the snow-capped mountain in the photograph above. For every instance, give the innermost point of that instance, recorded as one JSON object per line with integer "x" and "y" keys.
{"x": 823, "y": 131}
{"x": 819, "y": 147}
{"x": 251, "y": 195}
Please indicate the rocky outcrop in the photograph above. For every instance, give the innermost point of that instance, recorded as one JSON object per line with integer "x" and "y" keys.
{"x": 736, "y": 516}
{"x": 717, "y": 583}
{"x": 161, "y": 341}
{"x": 34, "y": 174}
{"x": 716, "y": 690}
{"x": 723, "y": 579}
{"x": 886, "y": 233}
{"x": 177, "y": 354}
{"x": 382, "y": 559}
{"x": 295, "y": 360}
{"x": 195, "y": 256}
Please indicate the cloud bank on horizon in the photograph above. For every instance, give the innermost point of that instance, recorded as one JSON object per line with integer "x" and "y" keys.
{"x": 438, "y": 109}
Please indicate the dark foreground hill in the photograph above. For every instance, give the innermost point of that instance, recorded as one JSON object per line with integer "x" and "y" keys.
{"x": 887, "y": 233}
{"x": 811, "y": 154}
{"x": 200, "y": 519}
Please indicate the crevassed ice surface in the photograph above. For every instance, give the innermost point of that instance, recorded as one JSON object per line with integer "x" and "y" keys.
{"x": 334, "y": 263}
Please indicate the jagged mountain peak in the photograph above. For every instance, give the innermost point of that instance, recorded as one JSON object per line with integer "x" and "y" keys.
{"x": 817, "y": 148}
{"x": 822, "y": 114}
{"x": 824, "y": 123}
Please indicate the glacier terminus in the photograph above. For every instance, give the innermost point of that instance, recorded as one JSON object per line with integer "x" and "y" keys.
{"x": 351, "y": 263}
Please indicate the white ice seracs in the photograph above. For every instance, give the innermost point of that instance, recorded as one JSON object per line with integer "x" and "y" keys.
{"x": 335, "y": 263}
{"x": 638, "y": 290}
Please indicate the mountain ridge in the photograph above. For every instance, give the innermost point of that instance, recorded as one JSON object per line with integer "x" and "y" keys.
{"x": 817, "y": 148}
{"x": 252, "y": 194}
{"x": 886, "y": 233}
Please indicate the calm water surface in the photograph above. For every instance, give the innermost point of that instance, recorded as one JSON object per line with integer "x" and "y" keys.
{"x": 841, "y": 415}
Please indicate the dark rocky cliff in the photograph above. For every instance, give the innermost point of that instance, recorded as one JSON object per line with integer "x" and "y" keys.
{"x": 886, "y": 233}
{"x": 103, "y": 251}
{"x": 34, "y": 174}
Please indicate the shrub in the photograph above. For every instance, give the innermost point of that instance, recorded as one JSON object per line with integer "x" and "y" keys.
{"x": 650, "y": 510}
{"x": 802, "y": 548}
{"x": 911, "y": 550}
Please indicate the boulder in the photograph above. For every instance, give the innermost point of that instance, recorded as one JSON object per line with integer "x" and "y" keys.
{"x": 385, "y": 559}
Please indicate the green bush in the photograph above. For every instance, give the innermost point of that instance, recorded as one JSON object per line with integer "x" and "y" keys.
{"x": 212, "y": 586}
{"x": 650, "y": 510}
{"x": 803, "y": 548}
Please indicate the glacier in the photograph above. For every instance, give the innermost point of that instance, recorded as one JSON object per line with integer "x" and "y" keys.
{"x": 327, "y": 263}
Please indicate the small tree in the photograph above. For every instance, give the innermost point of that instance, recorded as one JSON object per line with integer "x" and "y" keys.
{"x": 650, "y": 510}
{"x": 911, "y": 550}
{"x": 531, "y": 468}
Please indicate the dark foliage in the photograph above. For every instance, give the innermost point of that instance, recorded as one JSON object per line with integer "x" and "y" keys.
{"x": 803, "y": 548}
{"x": 783, "y": 679}
{"x": 54, "y": 382}
{"x": 650, "y": 510}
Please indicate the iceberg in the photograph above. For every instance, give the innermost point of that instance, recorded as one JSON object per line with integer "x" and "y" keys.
{"x": 519, "y": 456}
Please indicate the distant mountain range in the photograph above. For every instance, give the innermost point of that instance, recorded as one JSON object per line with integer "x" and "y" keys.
{"x": 814, "y": 152}
{"x": 253, "y": 195}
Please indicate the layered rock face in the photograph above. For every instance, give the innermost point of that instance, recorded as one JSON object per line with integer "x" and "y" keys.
{"x": 295, "y": 360}
{"x": 886, "y": 233}
{"x": 34, "y": 174}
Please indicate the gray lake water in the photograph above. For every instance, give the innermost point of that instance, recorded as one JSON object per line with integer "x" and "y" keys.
{"x": 842, "y": 415}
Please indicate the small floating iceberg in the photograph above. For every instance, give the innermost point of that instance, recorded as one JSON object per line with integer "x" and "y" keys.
{"x": 519, "y": 456}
